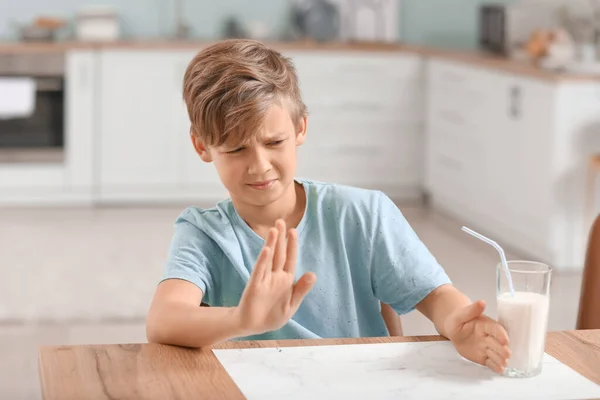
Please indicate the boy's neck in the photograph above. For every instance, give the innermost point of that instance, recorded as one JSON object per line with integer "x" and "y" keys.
{"x": 290, "y": 207}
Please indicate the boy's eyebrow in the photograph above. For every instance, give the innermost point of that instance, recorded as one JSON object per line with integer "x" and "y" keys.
{"x": 273, "y": 136}
{"x": 276, "y": 135}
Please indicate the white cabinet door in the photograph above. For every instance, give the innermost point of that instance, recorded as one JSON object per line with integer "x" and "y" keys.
{"x": 461, "y": 105}
{"x": 490, "y": 150}
{"x": 139, "y": 99}
{"x": 528, "y": 143}
{"x": 80, "y": 112}
{"x": 365, "y": 120}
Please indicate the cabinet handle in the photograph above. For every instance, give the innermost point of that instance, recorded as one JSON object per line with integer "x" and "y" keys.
{"x": 515, "y": 102}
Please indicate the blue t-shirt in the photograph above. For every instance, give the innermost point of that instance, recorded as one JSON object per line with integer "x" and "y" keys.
{"x": 356, "y": 241}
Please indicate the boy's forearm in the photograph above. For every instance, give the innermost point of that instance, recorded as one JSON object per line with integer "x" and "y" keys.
{"x": 440, "y": 304}
{"x": 191, "y": 326}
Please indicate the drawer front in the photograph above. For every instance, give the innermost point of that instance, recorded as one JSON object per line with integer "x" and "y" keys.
{"x": 456, "y": 75}
{"x": 358, "y": 131}
{"x": 368, "y": 99}
{"x": 349, "y": 67}
{"x": 351, "y": 158}
{"x": 376, "y": 86}
{"x": 454, "y": 163}
{"x": 359, "y": 167}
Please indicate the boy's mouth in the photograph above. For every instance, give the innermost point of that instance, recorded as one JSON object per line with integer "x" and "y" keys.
{"x": 262, "y": 185}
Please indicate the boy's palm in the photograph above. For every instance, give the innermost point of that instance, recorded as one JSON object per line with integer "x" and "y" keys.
{"x": 479, "y": 338}
{"x": 271, "y": 298}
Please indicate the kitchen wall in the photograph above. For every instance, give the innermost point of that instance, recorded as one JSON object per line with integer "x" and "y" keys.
{"x": 446, "y": 23}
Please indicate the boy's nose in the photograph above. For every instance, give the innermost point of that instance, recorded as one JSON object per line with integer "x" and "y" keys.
{"x": 259, "y": 164}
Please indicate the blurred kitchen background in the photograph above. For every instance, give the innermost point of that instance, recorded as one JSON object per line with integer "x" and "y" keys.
{"x": 464, "y": 112}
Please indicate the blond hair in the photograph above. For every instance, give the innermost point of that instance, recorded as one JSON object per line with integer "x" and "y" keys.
{"x": 229, "y": 86}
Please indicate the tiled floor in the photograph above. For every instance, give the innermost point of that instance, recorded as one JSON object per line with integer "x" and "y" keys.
{"x": 88, "y": 276}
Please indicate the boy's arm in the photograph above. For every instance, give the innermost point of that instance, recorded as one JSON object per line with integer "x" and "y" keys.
{"x": 441, "y": 304}
{"x": 269, "y": 300}
{"x": 176, "y": 318}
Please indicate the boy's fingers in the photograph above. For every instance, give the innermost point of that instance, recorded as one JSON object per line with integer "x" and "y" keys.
{"x": 261, "y": 265}
{"x": 493, "y": 366}
{"x": 492, "y": 344}
{"x": 292, "y": 252}
{"x": 496, "y": 330}
{"x": 280, "y": 246}
{"x": 496, "y": 358}
{"x": 271, "y": 243}
{"x": 301, "y": 289}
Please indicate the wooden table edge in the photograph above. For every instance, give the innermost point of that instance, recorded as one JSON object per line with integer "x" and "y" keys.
{"x": 558, "y": 344}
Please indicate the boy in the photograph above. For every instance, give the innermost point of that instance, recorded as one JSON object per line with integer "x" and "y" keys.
{"x": 287, "y": 258}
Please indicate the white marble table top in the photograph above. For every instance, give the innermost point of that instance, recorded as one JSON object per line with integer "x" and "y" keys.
{"x": 417, "y": 370}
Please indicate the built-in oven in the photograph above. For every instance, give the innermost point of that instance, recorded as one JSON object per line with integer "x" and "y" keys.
{"x": 39, "y": 134}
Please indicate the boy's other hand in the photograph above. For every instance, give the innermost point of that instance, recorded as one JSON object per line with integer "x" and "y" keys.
{"x": 479, "y": 338}
{"x": 271, "y": 297}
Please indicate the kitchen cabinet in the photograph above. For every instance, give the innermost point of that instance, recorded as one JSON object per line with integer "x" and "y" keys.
{"x": 502, "y": 152}
{"x": 365, "y": 120}
{"x": 145, "y": 153}
{"x": 138, "y": 149}
{"x": 364, "y": 125}
{"x": 500, "y": 156}
{"x": 81, "y": 89}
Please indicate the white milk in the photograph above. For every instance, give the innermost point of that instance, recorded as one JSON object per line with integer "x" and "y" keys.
{"x": 525, "y": 318}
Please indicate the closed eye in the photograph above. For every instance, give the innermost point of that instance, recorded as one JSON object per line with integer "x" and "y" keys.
{"x": 275, "y": 142}
{"x": 235, "y": 150}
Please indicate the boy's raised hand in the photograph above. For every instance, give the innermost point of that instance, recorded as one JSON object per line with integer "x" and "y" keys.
{"x": 271, "y": 297}
{"x": 479, "y": 338}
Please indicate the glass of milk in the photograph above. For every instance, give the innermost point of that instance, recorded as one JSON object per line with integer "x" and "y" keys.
{"x": 524, "y": 315}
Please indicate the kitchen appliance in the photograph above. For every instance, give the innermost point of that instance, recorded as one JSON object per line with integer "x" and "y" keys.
{"x": 347, "y": 20}
{"x": 40, "y": 133}
{"x": 97, "y": 24}
{"x": 370, "y": 20}
{"x": 505, "y": 28}
{"x": 316, "y": 19}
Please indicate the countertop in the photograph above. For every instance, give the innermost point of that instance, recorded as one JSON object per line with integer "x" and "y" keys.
{"x": 474, "y": 57}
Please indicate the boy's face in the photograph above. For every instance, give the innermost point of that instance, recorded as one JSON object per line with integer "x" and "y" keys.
{"x": 260, "y": 172}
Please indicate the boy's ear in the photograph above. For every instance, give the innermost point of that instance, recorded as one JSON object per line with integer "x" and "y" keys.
{"x": 201, "y": 149}
{"x": 301, "y": 131}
